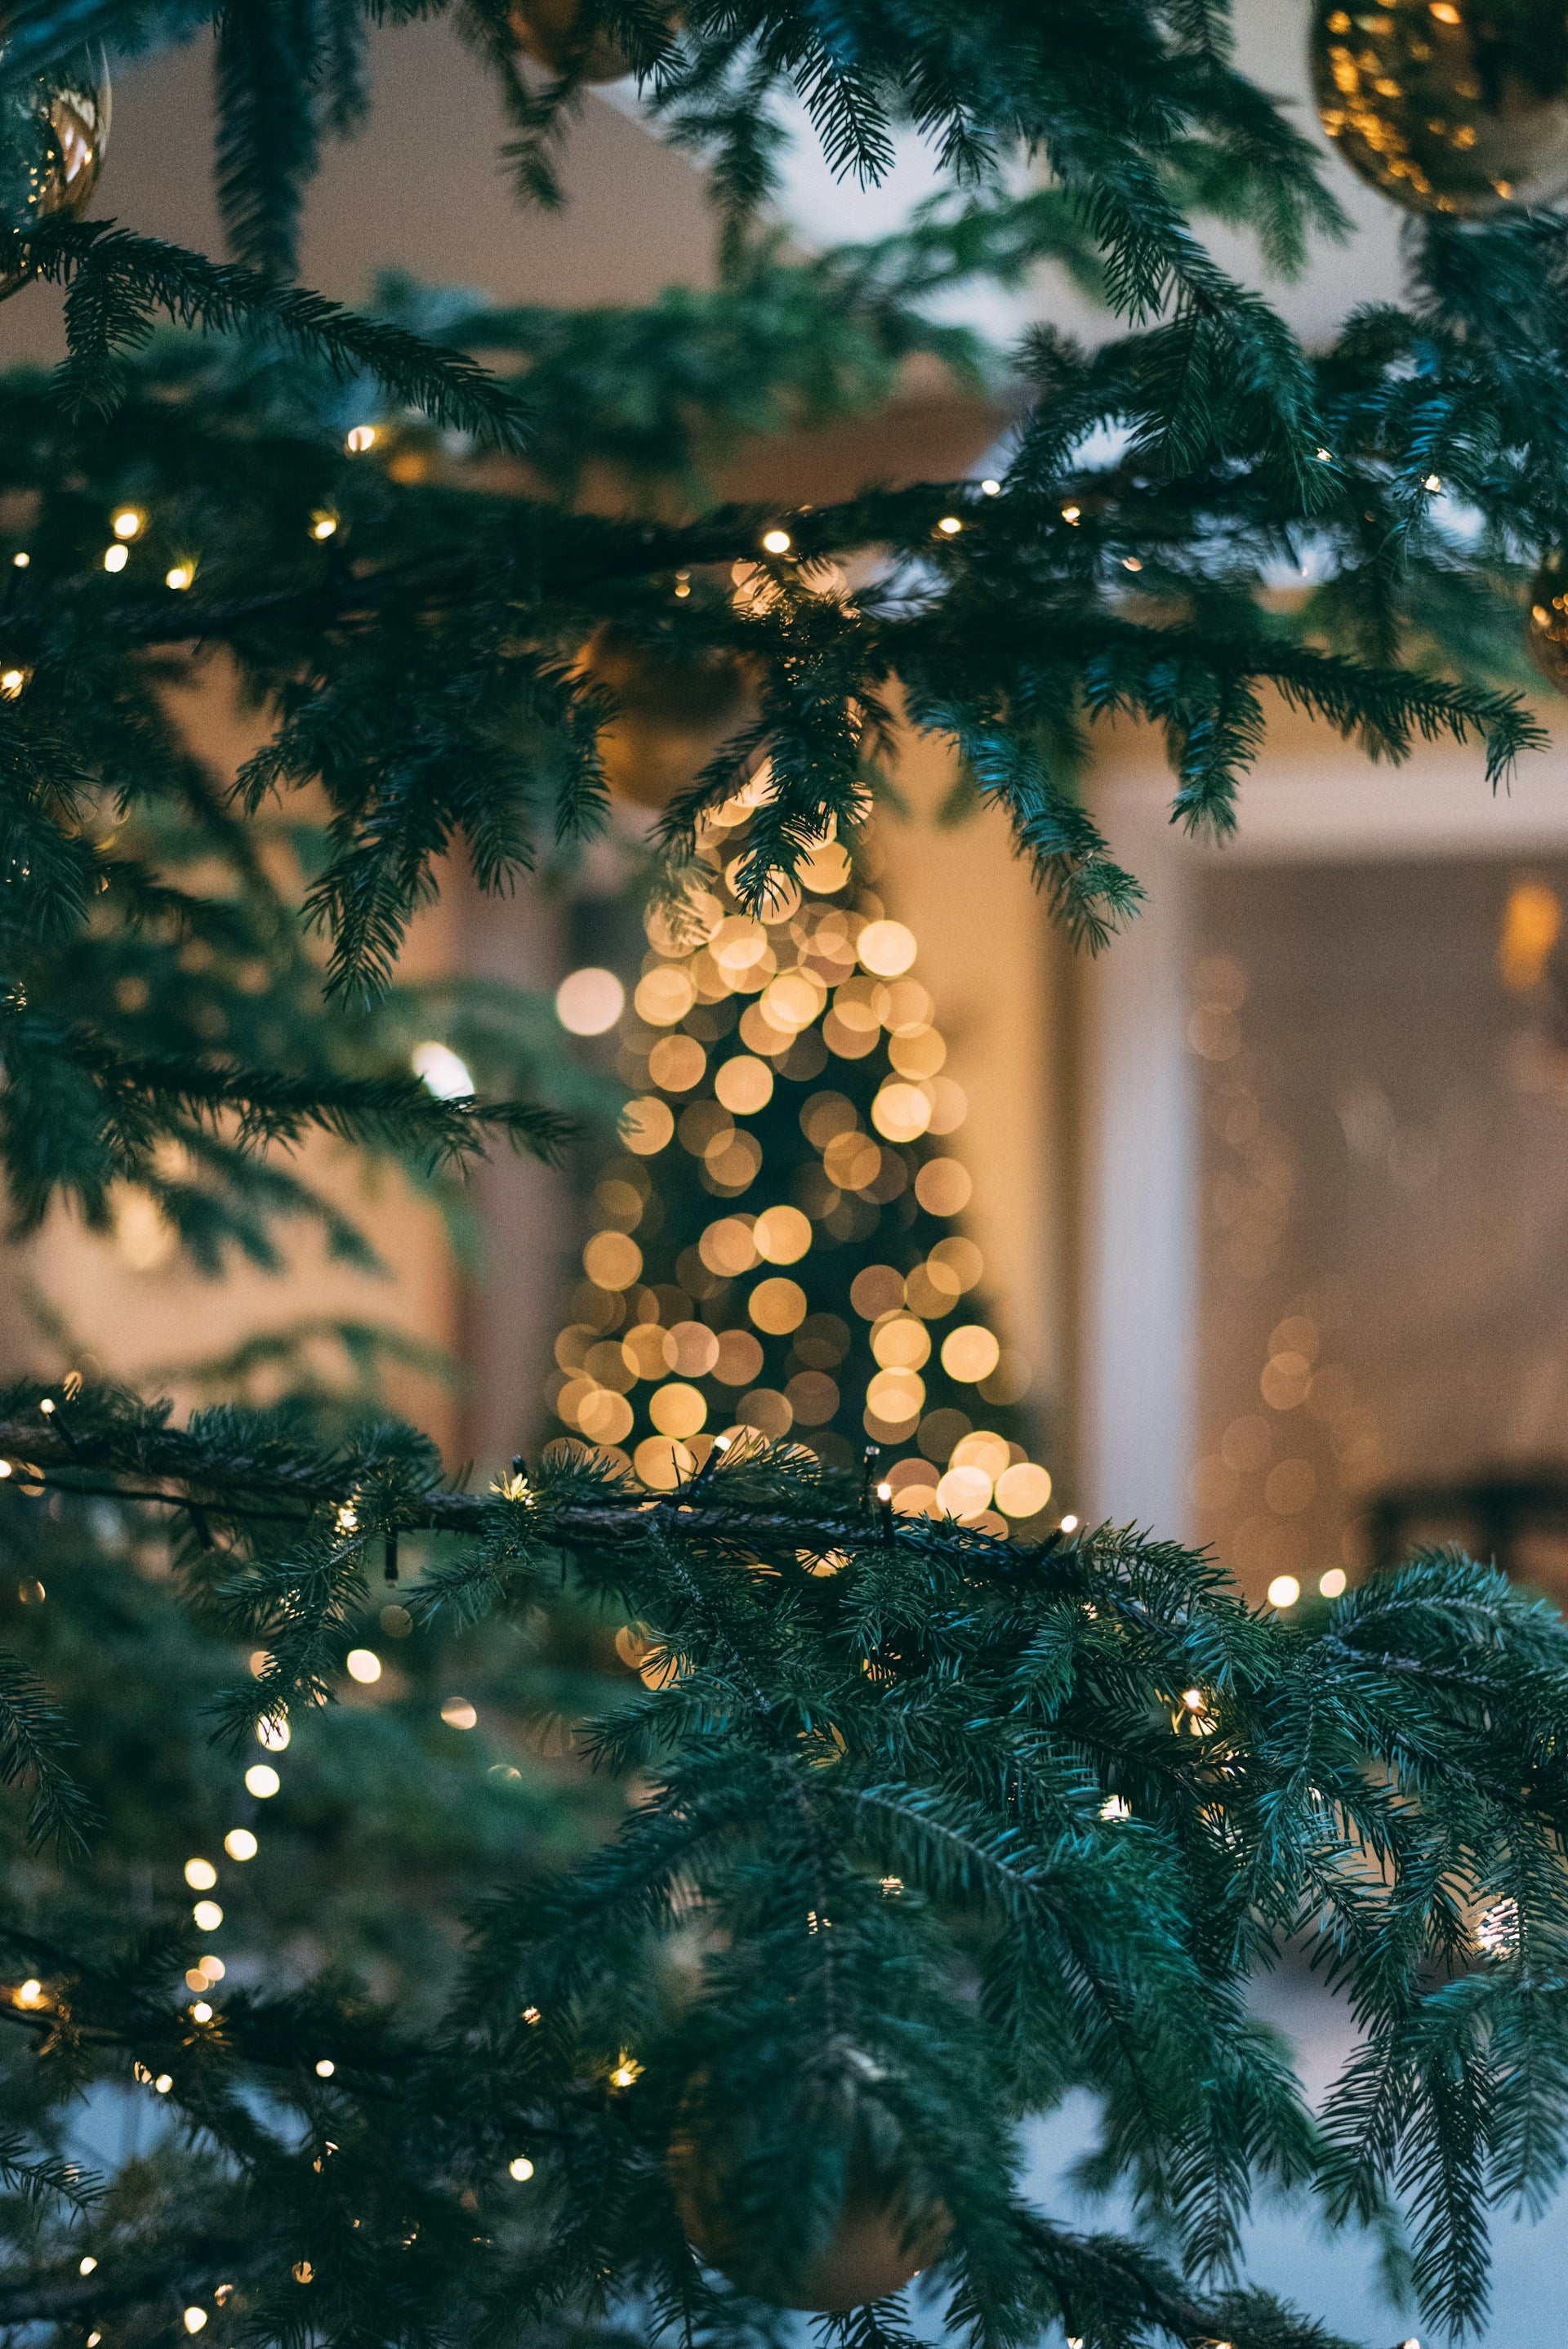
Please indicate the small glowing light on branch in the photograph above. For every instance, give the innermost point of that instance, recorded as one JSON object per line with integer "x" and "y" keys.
{"x": 21, "y": 561}
{"x": 884, "y": 1492}
{"x": 1073, "y": 514}
{"x": 1325, "y": 456}
{"x": 128, "y": 522}
{"x": 1069, "y": 1524}
{"x": 363, "y": 1665}
{"x": 627, "y": 2071}
{"x": 163, "y": 2082}
{"x": 361, "y": 437}
{"x": 48, "y": 1406}
{"x": 1193, "y": 1699}
{"x": 1433, "y": 481}
{"x": 208, "y": 1915}
{"x": 12, "y": 681}
{"x": 441, "y": 1072}
{"x": 1284, "y": 1590}
{"x": 459, "y": 1714}
{"x": 521, "y": 2169}
{"x": 1130, "y": 563}
{"x": 1332, "y": 1584}
{"x": 1116, "y": 1806}
{"x": 323, "y": 525}
{"x": 273, "y": 1731}
{"x": 239, "y": 1844}
{"x": 326, "y": 2069}
{"x": 949, "y": 525}
{"x": 262, "y": 1781}
{"x": 775, "y": 542}
{"x": 200, "y": 1875}
{"x": 30, "y": 1993}
{"x": 86, "y": 2267}
{"x": 201, "y": 2012}
{"x": 116, "y": 557}
{"x": 530, "y": 2015}
{"x": 990, "y": 489}
{"x": 195, "y": 2318}
{"x": 179, "y": 575}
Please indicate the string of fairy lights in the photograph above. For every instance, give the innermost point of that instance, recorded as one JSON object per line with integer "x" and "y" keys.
{"x": 128, "y": 525}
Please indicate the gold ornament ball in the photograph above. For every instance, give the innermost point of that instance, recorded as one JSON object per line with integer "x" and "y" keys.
{"x": 673, "y": 712}
{"x": 551, "y": 33}
{"x": 52, "y": 132}
{"x": 1456, "y": 106}
{"x": 1546, "y": 630}
{"x": 879, "y": 2242}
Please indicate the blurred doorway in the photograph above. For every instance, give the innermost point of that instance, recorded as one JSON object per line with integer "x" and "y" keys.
{"x": 1381, "y": 1052}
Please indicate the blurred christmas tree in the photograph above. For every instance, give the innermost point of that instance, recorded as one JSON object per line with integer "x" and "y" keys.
{"x": 775, "y": 1244}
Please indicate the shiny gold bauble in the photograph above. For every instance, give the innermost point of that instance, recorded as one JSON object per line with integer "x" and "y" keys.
{"x": 673, "y": 712}
{"x": 1447, "y": 105}
{"x": 1546, "y": 630}
{"x": 551, "y": 33}
{"x": 53, "y": 131}
{"x": 879, "y": 2242}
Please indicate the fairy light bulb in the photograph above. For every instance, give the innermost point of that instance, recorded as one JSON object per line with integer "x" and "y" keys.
{"x": 128, "y": 522}
{"x": 21, "y": 560}
{"x": 521, "y": 2169}
{"x": 322, "y": 525}
{"x": 361, "y": 437}
{"x": 116, "y": 557}
{"x": 949, "y": 525}
{"x": 775, "y": 542}
{"x": 326, "y": 2069}
{"x": 179, "y": 575}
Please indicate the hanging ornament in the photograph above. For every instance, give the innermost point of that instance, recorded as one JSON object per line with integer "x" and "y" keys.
{"x": 1547, "y": 631}
{"x": 551, "y": 33}
{"x": 1447, "y": 105}
{"x": 882, "y": 2239}
{"x": 673, "y": 712}
{"x": 54, "y": 128}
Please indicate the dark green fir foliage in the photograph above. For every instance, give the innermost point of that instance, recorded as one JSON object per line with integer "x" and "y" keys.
{"x": 390, "y": 1816}
{"x": 778, "y": 1244}
{"x": 930, "y": 1828}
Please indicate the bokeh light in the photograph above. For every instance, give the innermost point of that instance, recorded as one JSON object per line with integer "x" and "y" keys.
{"x": 589, "y": 1001}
